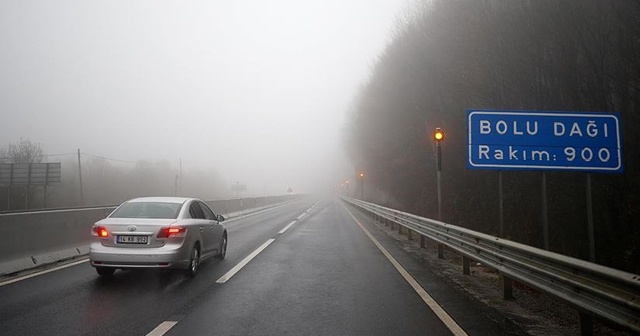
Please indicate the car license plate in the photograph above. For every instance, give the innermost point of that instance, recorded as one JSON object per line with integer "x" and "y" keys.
{"x": 133, "y": 239}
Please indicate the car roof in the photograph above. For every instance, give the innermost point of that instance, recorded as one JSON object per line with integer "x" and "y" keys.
{"x": 162, "y": 199}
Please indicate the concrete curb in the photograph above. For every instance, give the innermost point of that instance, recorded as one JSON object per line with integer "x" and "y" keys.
{"x": 27, "y": 263}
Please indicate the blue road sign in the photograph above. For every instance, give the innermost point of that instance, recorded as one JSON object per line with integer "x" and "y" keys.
{"x": 544, "y": 140}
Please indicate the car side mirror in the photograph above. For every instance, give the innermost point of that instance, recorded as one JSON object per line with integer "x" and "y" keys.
{"x": 220, "y": 218}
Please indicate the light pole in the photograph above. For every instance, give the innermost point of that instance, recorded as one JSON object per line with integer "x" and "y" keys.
{"x": 438, "y": 136}
{"x": 362, "y": 186}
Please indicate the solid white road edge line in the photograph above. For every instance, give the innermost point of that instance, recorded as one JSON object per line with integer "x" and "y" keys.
{"x": 244, "y": 262}
{"x": 286, "y": 227}
{"x": 299, "y": 217}
{"x": 435, "y": 307}
{"x": 162, "y": 328}
{"x": 24, "y": 277}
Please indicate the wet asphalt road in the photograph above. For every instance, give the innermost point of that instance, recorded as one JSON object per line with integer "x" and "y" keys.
{"x": 322, "y": 276}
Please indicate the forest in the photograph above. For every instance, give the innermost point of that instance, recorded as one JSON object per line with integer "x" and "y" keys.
{"x": 449, "y": 56}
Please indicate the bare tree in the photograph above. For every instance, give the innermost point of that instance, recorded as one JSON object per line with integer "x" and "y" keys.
{"x": 3, "y": 156}
{"x": 25, "y": 151}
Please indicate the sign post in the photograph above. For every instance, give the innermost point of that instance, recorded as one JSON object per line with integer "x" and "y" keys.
{"x": 28, "y": 175}
{"x": 545, "y": 213}
{"x": 238, "y": 188}
{"x": 546, "y": 141}
{"x": 501, "y": 204}
{"x": 592, "y": 247}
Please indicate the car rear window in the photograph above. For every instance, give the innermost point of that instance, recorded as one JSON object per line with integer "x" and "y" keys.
{"x": 147, "y": 210}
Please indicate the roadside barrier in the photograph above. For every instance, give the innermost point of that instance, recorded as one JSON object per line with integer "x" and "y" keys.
{"x": 594, "y": 290}
{"x": 36, "y": 238}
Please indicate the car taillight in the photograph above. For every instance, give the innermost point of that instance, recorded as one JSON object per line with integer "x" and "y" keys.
{"x": 175, "y": 231}
{"x": 100, "y": 231}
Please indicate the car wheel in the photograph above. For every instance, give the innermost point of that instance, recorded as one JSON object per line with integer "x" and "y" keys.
{"x": 105, "y": 271}
{"x": 194, "y": 262}
{"x": 223, "y": 247}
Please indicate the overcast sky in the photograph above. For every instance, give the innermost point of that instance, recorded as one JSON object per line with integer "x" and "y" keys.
{"x": 258, "y": 90}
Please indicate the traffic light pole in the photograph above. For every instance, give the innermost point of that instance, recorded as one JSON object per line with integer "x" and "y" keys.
{"x": 439, "y": 163}
{"x": 361, "y": 186}
{"x": 439, "y": 172}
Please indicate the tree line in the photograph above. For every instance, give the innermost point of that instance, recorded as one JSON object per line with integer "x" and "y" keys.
{"x": 448, "y": 56}
{"x": 104, "y": 181}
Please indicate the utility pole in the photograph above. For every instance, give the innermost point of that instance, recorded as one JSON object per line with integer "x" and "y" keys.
{"x": 26, "y": 199}
{"x": 80, "y": 176}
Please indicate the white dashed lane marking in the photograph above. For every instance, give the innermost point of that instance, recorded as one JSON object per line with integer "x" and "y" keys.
{"x": 167, "y": 325}
{"x": 162, "y": 328}
{"x": 244, "y": 262}
{"x": 286, "y": 227}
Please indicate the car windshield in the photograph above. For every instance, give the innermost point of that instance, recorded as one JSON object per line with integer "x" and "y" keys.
{"x": 147, "y": 210}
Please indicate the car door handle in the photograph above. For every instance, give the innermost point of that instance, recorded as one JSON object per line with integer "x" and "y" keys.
{"x": 201, "y": 229}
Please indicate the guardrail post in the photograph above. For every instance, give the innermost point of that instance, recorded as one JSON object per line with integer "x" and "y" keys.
{"x": 409, "y": 234}
{"x": 465, "y": 265}
{"x": 507, "y": 288}
{"x": 399, "y": 229}
{"x": 586, "y": 324}
{"x": 440, "y": 251}
{"x": 423, "y": 241}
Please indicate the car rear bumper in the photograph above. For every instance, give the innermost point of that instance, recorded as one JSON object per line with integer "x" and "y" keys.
{"x": 118, "y": 257}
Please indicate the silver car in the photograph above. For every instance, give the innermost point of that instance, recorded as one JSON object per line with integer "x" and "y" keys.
{"x": 158, "y": 232}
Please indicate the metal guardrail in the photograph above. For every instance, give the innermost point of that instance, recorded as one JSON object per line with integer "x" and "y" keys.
{"x": 9, "y": 212}
{"x": 594, "y": 290}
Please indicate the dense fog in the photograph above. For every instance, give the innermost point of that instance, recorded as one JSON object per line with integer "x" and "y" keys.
{"x": 218, "y": 92}
{"x": 252, "y": 98}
